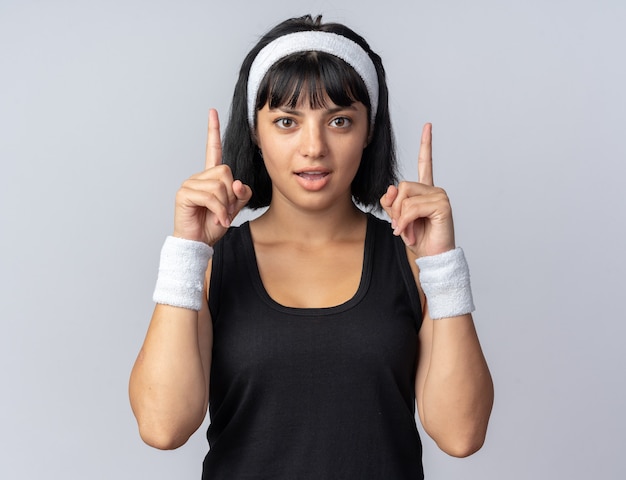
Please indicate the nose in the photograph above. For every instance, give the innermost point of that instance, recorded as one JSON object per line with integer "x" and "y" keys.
{"x": 313, "y": 141}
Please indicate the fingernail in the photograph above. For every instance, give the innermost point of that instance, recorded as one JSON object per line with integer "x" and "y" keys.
{"x": 394, "y": 224}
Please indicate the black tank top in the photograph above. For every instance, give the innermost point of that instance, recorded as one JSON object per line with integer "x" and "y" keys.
{"x": 319, "y": 393}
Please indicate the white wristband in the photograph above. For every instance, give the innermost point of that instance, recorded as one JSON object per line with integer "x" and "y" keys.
{"x": 181, "y": 273}
{"x": 445, "y": 280}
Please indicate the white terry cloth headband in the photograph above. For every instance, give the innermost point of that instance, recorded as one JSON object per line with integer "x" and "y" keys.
{"x": 312, "y": 41}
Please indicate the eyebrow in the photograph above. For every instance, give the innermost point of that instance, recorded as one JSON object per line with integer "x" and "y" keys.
{"x": 298, "y": 113}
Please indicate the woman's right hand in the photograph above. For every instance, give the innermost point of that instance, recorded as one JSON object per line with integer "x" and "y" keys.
{"x": 207, "y": 202}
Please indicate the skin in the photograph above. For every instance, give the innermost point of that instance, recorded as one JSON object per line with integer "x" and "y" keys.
{"x": 311, "y": 225}
{"x": 453, "y": 386}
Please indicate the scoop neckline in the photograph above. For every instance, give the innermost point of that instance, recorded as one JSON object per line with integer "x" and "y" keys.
{"x": 364, "y": 283}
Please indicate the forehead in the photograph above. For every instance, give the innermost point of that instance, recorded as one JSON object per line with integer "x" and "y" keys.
{"x": 303, "y": 107}
{"x": 314, "y": 77}
{"x": 320, "y": 100}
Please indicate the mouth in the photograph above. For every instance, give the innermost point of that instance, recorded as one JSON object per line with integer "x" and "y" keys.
{"x": 313, "y": 175}
{"x": 313, "y": 180}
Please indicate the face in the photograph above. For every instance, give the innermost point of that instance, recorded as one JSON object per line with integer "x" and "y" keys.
{"x": 312, "y": 155}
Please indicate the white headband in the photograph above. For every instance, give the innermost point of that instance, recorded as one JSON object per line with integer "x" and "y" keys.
{"x": 308, "y": 41}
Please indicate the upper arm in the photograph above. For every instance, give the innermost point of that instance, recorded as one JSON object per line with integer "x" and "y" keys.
{"x": 205, "y": 334}
{"x": 424, "y": 340}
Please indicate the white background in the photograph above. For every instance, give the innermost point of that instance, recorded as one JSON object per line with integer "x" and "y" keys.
{"x": 103, "y": 108}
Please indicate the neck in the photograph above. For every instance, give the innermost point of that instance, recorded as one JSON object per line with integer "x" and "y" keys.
{"x": 283, "y": 222}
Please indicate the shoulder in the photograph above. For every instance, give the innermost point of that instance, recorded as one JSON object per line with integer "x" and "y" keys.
{"x": 234, "y": 235}
{"x": 378, "y": 221}
{"x": 380, "y": 227}
{"x": 385, "y": 239}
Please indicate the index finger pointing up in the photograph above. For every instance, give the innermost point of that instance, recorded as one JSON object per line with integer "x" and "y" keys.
{"x": 213, "y": 141}
{"x": 425, "y": 158}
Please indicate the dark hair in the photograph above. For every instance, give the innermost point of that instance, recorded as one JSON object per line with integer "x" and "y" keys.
{"x": 282, "y": 86}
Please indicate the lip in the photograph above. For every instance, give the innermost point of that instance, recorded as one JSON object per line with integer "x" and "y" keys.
{"x": 313, "y": 179}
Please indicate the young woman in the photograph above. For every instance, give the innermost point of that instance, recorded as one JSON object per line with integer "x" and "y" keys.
{"x": 311, "y": 332}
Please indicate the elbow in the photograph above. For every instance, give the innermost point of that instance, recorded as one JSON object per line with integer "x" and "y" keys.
{"x": 462, "y": 448}
{"x": 164, "y": 426}
{"x": 162, "y": 438}
{"x": 462, "y": 439}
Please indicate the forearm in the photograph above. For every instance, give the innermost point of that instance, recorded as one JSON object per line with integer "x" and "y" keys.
{"x": 168, "y": 390}
{"x": 457, "y": 393}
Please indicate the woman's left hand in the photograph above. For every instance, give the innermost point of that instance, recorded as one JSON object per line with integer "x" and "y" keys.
{"x": 420, "y": 212}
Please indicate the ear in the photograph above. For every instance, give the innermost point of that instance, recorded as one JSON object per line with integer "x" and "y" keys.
{"x": 254, "y": 137}
{"x": 370, "y": 136}
{"x": 255, "y": 140}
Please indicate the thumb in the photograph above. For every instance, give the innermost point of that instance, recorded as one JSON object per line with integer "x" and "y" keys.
{"x": 386, "y": 201}
{"x": 243, "y": 193}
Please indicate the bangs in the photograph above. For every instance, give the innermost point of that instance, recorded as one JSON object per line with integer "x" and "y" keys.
{"x": 315, "y": 75}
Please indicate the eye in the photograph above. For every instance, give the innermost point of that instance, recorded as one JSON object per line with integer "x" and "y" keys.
{"x": 284, "y": 122}
{"x": 340, "y": 122}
